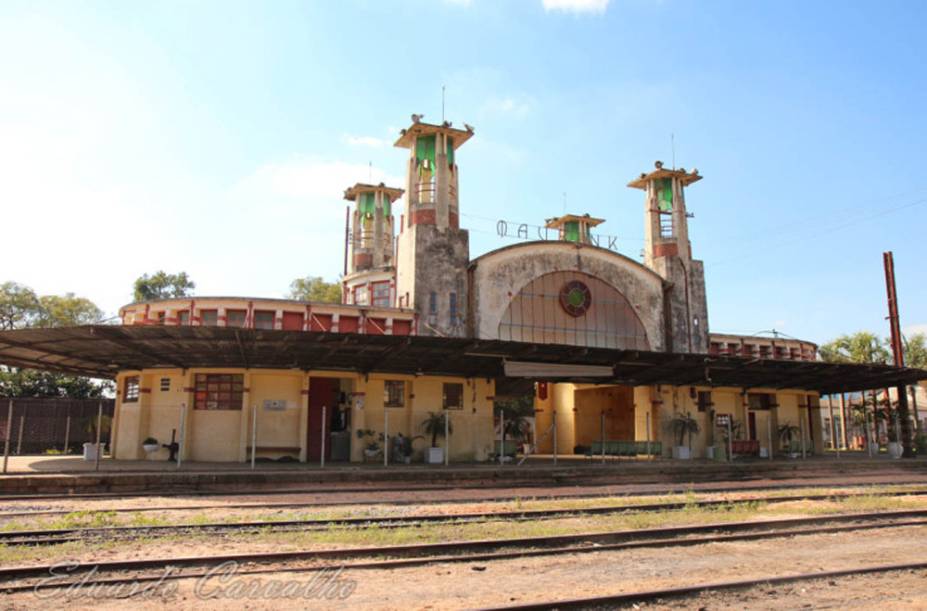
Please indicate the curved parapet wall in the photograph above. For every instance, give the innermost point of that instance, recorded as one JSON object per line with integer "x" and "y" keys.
{"x": 260, "y": 313}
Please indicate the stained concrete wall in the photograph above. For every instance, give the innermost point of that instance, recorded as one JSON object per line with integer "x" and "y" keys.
{"x": 499, "y": 275}
{"x": 432, "y": 259}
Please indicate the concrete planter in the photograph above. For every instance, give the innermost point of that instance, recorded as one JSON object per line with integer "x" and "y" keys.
{"x": 682, "y": 452}
{"x": 434, "y": 456}
{"x": 90, "y": 450}
{"x": 895, "y": 449}
{"x": 151, "y": 448}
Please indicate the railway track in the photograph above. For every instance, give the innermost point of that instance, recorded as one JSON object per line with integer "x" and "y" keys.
{"x": 578, "y": 495}
{"x": 63, "y": 535}
{"x": 658, "y": 488}
{"x": 17, "y": 579}
{"x": 633, "y": 598}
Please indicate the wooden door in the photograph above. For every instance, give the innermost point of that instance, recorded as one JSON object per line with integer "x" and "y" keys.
{"x": 751, "y": 420}
{"x": 322, "y": 392}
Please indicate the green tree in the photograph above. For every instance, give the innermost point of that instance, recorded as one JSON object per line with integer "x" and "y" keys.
{"x": 860, "y": 347}
{"x": 314, "y": 288}
{"x": 67, "y": 310}
{"x": 19, "y": 306}
{"x": 162, "y": 285}
{"x": 915, "y": 351}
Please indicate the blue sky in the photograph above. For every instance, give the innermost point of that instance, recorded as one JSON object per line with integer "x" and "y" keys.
{"x": 216, "y": 138}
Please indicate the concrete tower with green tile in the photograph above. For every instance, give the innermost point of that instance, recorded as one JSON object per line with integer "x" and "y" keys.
{"x": 371, "y": 269}
{"x": 433, "y": 251}
{"x": 668, "y": 251}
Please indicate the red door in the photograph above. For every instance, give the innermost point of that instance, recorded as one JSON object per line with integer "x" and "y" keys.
{"x": 292, "y": 321}
{"x": 322, "y": 392}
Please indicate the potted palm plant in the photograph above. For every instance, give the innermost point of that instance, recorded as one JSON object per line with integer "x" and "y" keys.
{"x": 683, "y": 427}
{"x": 788, "y": 434}
{"x": 371, "y": 442}
{"x": 516, "y": 428}
{"x": 434, "y": 425}
{"x": 151, "y": 445}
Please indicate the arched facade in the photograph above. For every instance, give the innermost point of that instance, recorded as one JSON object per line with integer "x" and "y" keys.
{"x": 524, "y": 293}
{"x": 572, "y": 307}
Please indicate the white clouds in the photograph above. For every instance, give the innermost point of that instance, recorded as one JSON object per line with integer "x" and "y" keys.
{"x": 311, "y": 181}
{"x": 915, "y": 328}
{"x": 508, "y": 106}
{"x": 367, "y": 141}
{"x": 576, "y": 6}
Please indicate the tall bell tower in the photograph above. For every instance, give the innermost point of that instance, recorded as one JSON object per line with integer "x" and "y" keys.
{"x": 371, "y": 269}
{"x": 668, "y": 252}
{"x": 433, "y": 251}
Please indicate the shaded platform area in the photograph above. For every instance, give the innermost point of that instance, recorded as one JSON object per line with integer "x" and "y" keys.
{"x": 104, "y": 350}
{"x": 69, "y": 474}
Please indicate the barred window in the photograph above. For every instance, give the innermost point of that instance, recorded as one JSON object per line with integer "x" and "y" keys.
{"x": 209, "y": 318}
{"x": 130, "y": 390}
{"x": 394, "y": 393}
{"x": 235, "y": 318}
{"x": 218, "y": 391}
{"x": 183, "y": 318}
{"x": 264, "y": 319}
{"x": 453, "y": 395}
{"x": 381, "y": 295}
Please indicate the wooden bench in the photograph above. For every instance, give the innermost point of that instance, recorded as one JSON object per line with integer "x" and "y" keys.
{"x": 626, "y": 448}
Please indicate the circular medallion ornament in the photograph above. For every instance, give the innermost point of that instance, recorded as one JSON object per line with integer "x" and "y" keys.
{"x": 575, "y": 298}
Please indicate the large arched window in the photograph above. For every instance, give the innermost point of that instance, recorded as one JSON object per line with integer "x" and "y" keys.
{"x": 570, "y": 307}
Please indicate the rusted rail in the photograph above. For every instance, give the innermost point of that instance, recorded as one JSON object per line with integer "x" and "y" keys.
{"x": 398, "y": 556}
{"x": 628, "y": 598}
{"x": 56, "y": 536}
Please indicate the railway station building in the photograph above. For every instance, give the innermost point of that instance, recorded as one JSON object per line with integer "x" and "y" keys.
{"x": 612, "y": 348}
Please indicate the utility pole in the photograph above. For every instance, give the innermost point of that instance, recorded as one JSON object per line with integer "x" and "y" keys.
{"x": 898, "y": 353}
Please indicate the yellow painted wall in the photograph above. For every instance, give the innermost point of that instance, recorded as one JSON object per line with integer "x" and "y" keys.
{"x": 661, "y": 403}
{"x": 225, "y": 436}
{"x": 278, "y": 432}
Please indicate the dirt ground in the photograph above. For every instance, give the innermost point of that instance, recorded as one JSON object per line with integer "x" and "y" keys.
{"x": 469, "y": 585}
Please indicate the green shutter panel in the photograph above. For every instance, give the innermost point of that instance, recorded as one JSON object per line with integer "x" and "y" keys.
{"x": 387, "y": 205}
{"x": 425, "y": 149}
{"x": 571, "y": 231}
{"x": 367, "y": 204}
{"x": 666, "y": 194}
{"x": 450, "y": 152}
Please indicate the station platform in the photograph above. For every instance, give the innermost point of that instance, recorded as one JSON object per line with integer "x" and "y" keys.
{"x": 73, "y": 475}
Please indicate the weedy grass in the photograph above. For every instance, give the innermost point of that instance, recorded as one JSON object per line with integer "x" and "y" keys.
{"x": 267, "y": 538}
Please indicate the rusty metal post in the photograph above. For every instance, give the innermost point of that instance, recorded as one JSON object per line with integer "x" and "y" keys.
{"x": 96, "y": 463}
{"x": 9, "y": 429}
{"x": 347, "y": 233}
{"x": 898, "y": 353}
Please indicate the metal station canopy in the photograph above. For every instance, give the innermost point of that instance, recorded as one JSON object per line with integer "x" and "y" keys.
{"x": 103, "y": 350}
